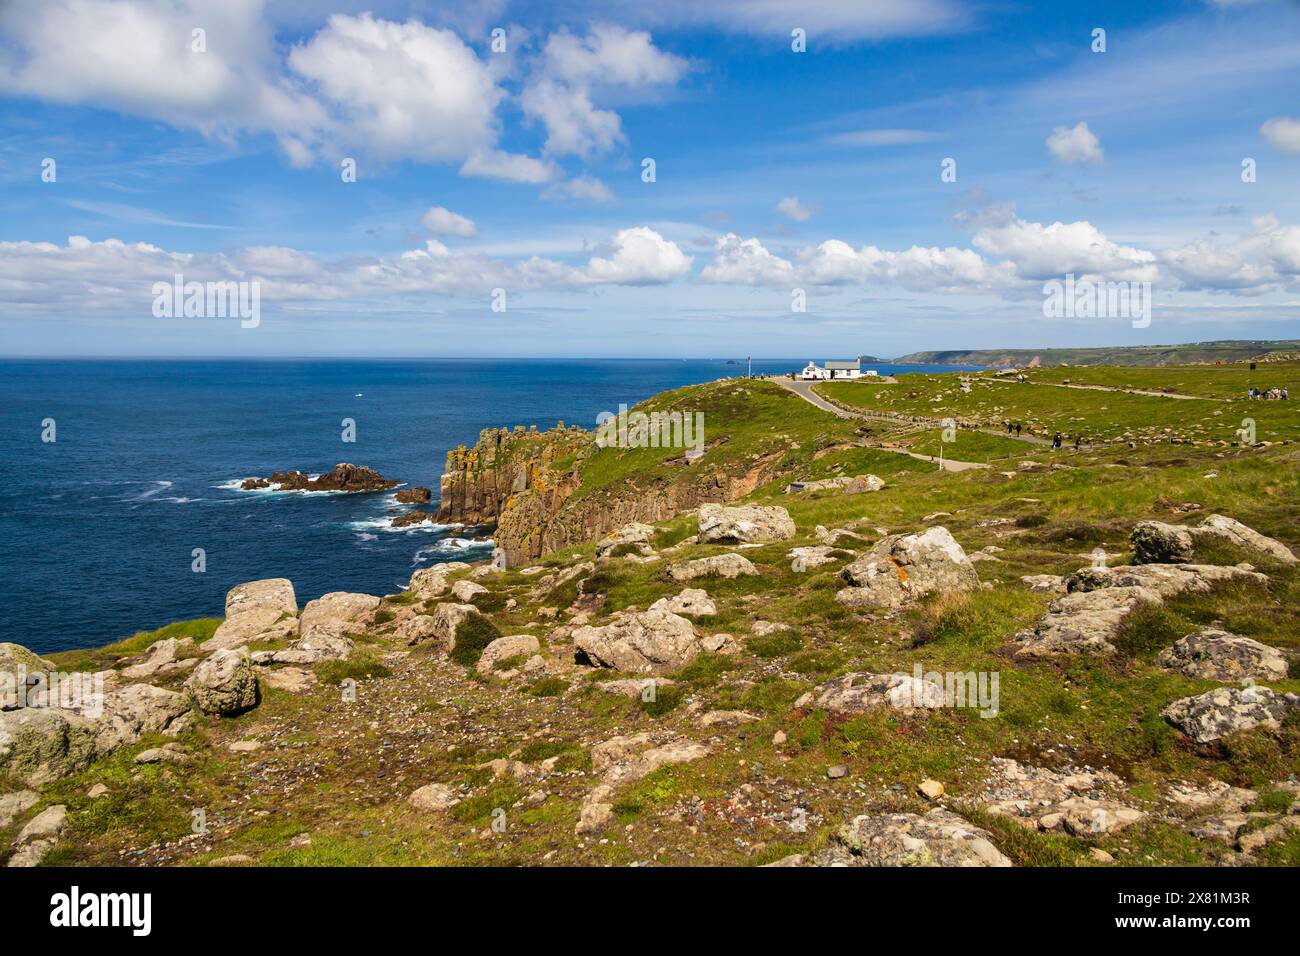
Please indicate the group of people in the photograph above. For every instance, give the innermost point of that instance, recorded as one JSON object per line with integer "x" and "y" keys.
{"x": 1011, "y": 425}
{"x": 1270, "y": 394}
{"x": 1013, "y": 428}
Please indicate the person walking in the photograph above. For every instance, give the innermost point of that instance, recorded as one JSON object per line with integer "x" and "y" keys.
{"x": 1056, "y": 442}
{"x": 1017, "y": 429}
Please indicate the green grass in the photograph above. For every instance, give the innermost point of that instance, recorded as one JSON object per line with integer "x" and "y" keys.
{"x": 472, "y": 635}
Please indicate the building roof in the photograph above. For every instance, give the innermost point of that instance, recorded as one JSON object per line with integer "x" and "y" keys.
{"x": 843, "y": 365}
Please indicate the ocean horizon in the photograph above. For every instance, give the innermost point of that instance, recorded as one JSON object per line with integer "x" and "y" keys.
{"x": 98, "y": 529}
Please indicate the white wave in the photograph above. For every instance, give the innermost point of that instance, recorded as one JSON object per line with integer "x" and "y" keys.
{"x": 236, "y": 484}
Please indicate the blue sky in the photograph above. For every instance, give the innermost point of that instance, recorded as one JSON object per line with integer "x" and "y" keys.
{"x": 521, "y": 170}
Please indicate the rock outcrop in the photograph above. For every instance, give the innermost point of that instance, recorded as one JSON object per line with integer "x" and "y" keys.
{"x": 859, "y": 693}
{"x": 747, "y": 524}
{"x": 902, "y": 568}
{"x": 714, "y": 566}
{"x": 418, "y": 495}
{"x": 1216, "y": 654}
{"x": 691, "y": 602}
{"x": 343, "y": 477}
{"x": 856, "y": 485}
{"x": 1155, "y": 542}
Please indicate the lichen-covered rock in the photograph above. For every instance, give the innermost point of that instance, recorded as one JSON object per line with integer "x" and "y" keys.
{"x": 432, "y": 582}
{"x": 39, "y": 836}
{"x": 1155, "y": 542}
{"x": 814, "y": 556}
{"x": 466, "y": 591}
{"x": 433, "y": 797}
{"x": 855, "y": 485}
{"x": 1225, "y": 710}
{"x": 1083, "y": 622}
{"x": 17, "y": 660}
{"x": 745, "y": 524}
{"x": 1234, "y": 532}
{"x": 446, "y": 618}
{"x": 714, "y": 566}
{"x": 1216, "y": 654}
{"x": 691, "y": 602}
{"x": 504, "y": 648}
{"x": 647, "y": 642}
{"x": 901, "y": 568}
{"x": 257, "y": 611}
{"x": 858, "y": 693}
{"x": 939, "y": 838}
{"x": 224, "y": 684}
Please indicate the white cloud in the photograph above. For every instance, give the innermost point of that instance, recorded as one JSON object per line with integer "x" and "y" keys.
{"x": 746, "y": 262}
{"x": 792, "y": 207}
{"x": 114, "y": 275}
{"x": 576, "y": 70}
{"x": 637, "y": 256}
{"x": 441, "y": 221}
{"x": 1283, "y": 132}
{"x": 1076, "y": 144}
{"x": 584, "y": 187}
{"x": 512, "y": 167}
{"x": 1266, "y": 256}
{"x": 828, "y": 22}
{"x": 1044, "y": 252}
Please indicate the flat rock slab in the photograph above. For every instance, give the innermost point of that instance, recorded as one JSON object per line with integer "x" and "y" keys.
{"x": 1225, "y": 710}
{"x": 747, "y": 524}
{"x": 1215, "y": 654}
{"x": 714, "y": 566}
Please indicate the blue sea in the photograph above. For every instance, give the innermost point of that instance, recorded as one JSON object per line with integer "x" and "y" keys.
{"x": 98, "y": 528}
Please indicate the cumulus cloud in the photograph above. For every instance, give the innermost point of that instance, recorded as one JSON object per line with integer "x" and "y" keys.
{"x": 1075, "y": 145}
{"x": 1265, "y": 257}
{"x": 637, "y": 256}
{"x": 576, "y": 70}
{"x": 441, "y": 221}
{"x": 1283, "y": 132}
{"x": 746, "y": 262}
{"x": 791, "y": 206}
{"x": 1043, "y": 252}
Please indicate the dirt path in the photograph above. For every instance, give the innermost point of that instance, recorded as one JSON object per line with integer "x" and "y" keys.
{"x": 1132, "y": 391}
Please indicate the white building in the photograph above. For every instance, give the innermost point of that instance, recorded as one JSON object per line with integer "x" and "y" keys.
{"x": 833, "y": 370}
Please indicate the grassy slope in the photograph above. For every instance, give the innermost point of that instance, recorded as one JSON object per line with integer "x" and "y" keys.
{"x": 427, "y": 719}
{"x": 1143, "y": 355}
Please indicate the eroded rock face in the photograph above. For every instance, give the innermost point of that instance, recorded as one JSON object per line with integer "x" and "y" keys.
{"x": 859, "y": 693}
{"x": 744, "y": 525}
{"x": 224, "y": 684}
{"x": 504, "y": 648}
{"x": 343, "y": 477}
{"x": 263, "y": 610}
{"x": 939, "y": 838}
{"x": 1225, "y": 710}
{"x": 635, "y": 536}
{"x": 1215, "y": 654}
{"x": 691, "y": 602}
{"x": 648, "y": 642}
{"x": 901, "y": 568}
{"x": 714, "y": 566}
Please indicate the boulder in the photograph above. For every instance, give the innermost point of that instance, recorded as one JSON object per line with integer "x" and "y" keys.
{"x": 646, "y": 642}
{"x": 433, "y": 797}
{"x": 634, "y": 687}
{"x": 466, "y": 591}
{"x": 859, "y": 693}
{"x": 336, "y": 614}
{"x": 160, "y": 658}
{"x": 714, "y": 566}
{"x": 1234, "y": 532}
{"x": 16, "y": 803}
{"x": 691, "y": 602}
{"x": 1215, "y": 654}
{"x": 901, "y": 568}
{"x": 1155, "y": 542}
{"x": 263, "y": 610}
{"x": 636, "y": 535}
{"x": 446, "y": 618}
{"x": 746, "y": 524}
{"x": 1083, "y": 622}
{"x": 432, "y": 582}
{"x": 1225, "y": 710}
{"x": 815, "y": 556}
{"x": 16, "y": 659}
{"x": 224, "y": 683}
{"x": 938, "y": 838}
{"x": 856, "y": 485}
{"x": 39, "y": 836}
{"x": 1044, "y": 583}
{"x": 504, "y": 648}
